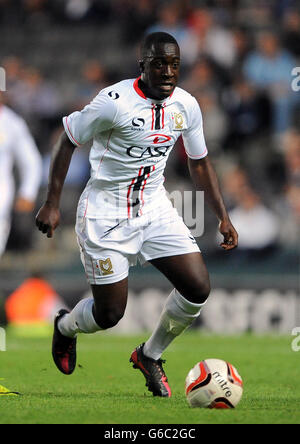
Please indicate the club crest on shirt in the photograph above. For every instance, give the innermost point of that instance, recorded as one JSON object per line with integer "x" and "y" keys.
{"x": 178, "y": 120}
{"x": 105, "y": 267}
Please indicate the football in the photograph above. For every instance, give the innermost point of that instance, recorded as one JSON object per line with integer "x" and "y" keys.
{"x": 213, "y": 384}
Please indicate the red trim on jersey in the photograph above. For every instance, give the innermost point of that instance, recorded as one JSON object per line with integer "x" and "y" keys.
{"x": 158, "y": 138}
{"x": 129, "y": 191}
{"x": 142, "y": 192}
{"x": 74, "y": 140}
{"x": 138, "y": 89}
{"x": 128, "y": 194}
{"x": 140, "y": 92}
{"x": 153, "y": 117}
{"x": 163, "y": 116}
{"x": 197, "y": 157}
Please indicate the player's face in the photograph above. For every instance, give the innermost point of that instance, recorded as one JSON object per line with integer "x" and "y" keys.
{"x": 160, "y": 70}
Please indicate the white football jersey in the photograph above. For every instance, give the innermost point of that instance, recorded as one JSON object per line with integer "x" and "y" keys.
{"x": 17, "y": 147}
{"x": 132, "y": 140}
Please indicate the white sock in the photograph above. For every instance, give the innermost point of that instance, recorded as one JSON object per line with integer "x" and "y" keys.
{"x": 80, "y": 320}
{"x": 178, "y": 314}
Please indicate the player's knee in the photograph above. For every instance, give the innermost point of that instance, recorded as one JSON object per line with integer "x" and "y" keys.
{"x": 198, "y": 293}
{"x": 109, "y": 319}
{"x": 204, "y": 292}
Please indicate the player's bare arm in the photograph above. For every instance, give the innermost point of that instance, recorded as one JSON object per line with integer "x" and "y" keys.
{"x": 204, "y": 177}
{"x": 48, "y": 217}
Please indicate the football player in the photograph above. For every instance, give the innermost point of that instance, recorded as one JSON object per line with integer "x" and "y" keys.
{"x": 124, "y": 213}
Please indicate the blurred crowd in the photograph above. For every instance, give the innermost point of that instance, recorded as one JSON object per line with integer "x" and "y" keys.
{"x": 237, "y": 60}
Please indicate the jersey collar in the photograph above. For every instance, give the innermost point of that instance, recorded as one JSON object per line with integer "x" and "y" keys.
{"x": 138, "y": 89}
{"x": 141, "y": 94}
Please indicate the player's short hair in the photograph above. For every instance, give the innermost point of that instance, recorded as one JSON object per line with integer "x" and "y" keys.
{"x": 154, "y": 39}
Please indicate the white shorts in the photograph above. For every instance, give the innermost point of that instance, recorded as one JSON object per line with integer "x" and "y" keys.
{"x": 109, "y": 248}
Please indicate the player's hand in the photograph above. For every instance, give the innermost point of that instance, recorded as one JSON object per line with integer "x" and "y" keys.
{"x": 229, "y": 234}
{"x": 47, "y": 219}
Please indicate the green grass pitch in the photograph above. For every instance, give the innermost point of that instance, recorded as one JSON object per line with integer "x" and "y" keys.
{"x": 106, "y": 390}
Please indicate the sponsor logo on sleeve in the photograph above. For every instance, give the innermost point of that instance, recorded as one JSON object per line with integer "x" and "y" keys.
{"x": 113, "y": 95}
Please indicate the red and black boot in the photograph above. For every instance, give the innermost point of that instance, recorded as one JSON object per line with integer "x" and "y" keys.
{"x": 156, "y": 379}
{"x": 63, "y": 348}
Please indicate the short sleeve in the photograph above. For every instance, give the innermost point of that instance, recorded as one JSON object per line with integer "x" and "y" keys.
{"x": 193, "y": 136}
{"x": 98, "y": 116}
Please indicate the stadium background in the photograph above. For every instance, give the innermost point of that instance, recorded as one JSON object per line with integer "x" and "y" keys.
{"x": 237, "y": 59}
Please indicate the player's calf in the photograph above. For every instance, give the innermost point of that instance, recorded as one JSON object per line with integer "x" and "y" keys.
{"x": 109, "y": 303}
